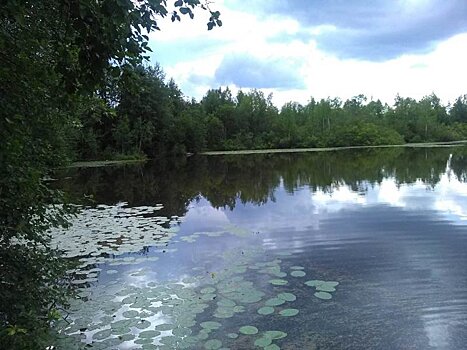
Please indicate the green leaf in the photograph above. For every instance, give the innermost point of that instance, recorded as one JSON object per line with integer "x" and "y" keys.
{"x": 184, "y": 10}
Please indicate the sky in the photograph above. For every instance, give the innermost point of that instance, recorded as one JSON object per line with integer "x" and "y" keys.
{"x": 320, "y": 48}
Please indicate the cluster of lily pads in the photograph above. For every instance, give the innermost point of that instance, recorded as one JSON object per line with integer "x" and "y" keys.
{"x": 103, "y": 234}
{"x": 229, "y": 229}
{"x": 323, "y": 288}
{"x": 191, "y": 312}
{"x": 164, "y": 315}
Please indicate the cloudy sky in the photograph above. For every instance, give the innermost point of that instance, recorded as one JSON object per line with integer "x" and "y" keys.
{"x": 320, "y": 48}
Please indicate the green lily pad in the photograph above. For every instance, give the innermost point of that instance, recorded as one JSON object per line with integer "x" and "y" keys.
{"x": 325, "y": 288}
{"x": 314, "y": 283}
{"x": 232, "y": 335}
{"x": 150, "y": 347}
{"x": 287, "y": 296}
{"x": 202, "y": 335}
{"x": 126, "y": 337}
{"x": 130, "y": 314}
{"x": 149, "y": 334}
{"x": 102, "y": 334}
{"x": 248, "y": 330}
{"x": 298, "y": 273}
{"x": 289, "y": 312}
{"x": 226, "y": 302}
{"x": 275, "y": 334}
{"x": 210, "y": 325}
{"x": 181, "y": 331}
{"x": 266, "y": 310}
{"x": 274, "y": 302}
{"x": 143, "y": 324}
{"x": 164, "y": 327}
{"x": 272, "y": 347}
{"x": 207, "y": 290}
{"x": 263, "y": 342}
{"x": 280, "y": 274}
{"x": 251, "y": 297}
{"x": 144, "y": 341}
{"x": 238, "y": 309}
{"x": 213, "y": 344}
{"x": 323, "y": 295}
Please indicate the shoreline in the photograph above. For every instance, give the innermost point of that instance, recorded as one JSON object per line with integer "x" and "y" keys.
{"x": 102, "y": 163}
{"x": 327, "y": 149}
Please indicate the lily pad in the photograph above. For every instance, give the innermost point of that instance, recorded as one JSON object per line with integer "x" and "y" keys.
{"x": 323, "y": 295}
{"x": 202, "y": 335}
{"x": 332, "y": 283}
{"x": 207, "y": 290}
{"x": 130, "y": 314}
{"x": 266, "y": 310}
{"x": 287, "y": 296}
{"x": 164, "y": 327}
{"x": 314, "y": 283}
{"x": 275, "y": 334}
{"x": 248, "y": 330}
{"x": 143, "y": 324}
{"x": 272, "y": 347}
{"x": 274, "y": 302}
{"x": 210, "y": 325}
{"x": 325, "y": 288}
{"x": 289, "y": 312}
{"x": 213, "y": 344}
{"x": 226, "y": 302}
{"x": 102, "y": 334}
{"x": 263, "y": 342}
{"x": 280, "y": 274}
{"x": 149, "y": 334}
{"x": 298, "y": 273}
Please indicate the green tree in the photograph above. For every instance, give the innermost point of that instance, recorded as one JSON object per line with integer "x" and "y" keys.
{"x": 458, "y": 111}
{"x": 52, "y": 54}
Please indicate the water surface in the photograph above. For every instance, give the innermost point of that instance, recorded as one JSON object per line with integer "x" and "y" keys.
{"x": 166, "y": 246}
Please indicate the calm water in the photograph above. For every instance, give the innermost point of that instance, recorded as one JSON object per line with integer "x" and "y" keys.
{"x": 389, "y": 225}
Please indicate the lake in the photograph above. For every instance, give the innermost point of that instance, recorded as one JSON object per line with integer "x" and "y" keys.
{"x": 351, "y": 249}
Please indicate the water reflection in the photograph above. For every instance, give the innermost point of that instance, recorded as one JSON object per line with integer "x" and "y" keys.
{"x": 388, "y": 224}
{"x": 361, "y": 177}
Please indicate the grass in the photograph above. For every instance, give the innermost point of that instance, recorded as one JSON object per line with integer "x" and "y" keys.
{"x": 325, "y": 149}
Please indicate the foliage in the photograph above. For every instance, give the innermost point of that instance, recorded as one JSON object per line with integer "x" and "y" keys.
{"x": 152, "y": 117}
{"x": 57, "y": 62}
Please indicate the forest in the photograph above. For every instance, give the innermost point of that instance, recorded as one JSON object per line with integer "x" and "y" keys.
{"x": 143, "y": 114}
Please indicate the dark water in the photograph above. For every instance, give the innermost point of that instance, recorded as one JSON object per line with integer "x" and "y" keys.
{"x": 389, "y": 225}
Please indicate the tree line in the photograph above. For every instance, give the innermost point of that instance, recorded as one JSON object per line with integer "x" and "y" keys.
{"x": 144, "y": 114}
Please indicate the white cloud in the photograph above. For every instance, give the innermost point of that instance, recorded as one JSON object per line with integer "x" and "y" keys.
{"x": 441, "y": 71}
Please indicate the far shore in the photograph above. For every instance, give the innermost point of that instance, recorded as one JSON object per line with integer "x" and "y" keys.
{"x": 101, "y": 163}
{"x": 326, "y": 149}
